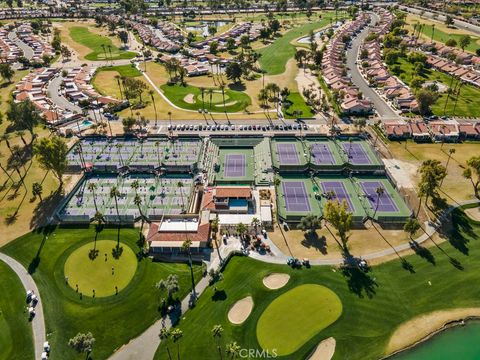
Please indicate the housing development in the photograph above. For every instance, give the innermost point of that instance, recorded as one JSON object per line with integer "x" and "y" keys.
{"x": 239, "y": 180}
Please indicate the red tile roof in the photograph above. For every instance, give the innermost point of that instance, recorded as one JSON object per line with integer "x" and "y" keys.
{"x": 200, "y": 235}
{"x": 233, "y": 192}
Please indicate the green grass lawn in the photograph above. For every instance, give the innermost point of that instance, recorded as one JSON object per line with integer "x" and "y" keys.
{"x": 467, "y": 104}
{"x": 298, "y": 104}
{"x": 113, "y": 320}
{"x": 235, "y": 101}
{"x": 102, "y": 273}
{"x": 284, "y": 317}
{"x": 16, "y": 340}
{"x": 275, "y": 56}
{"x": 123, "y": 70}
{"x": 443, "y": 37}
{"x": 83, "y": 36}
{"x": 374, "y": 304}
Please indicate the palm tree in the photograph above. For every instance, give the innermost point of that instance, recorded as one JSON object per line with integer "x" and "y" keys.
{"x": 214, "y": 229}
{"x": 433, "y": 31}
{"x": 135, "y": 185}
{"x": 241, "y": 229}
{"x": 5, "y": 170}
{"x": 380, "y": 191}
{"x": 92, "y": 187}
{"x": 202, "y": 91}
{"x": 233, "y": 349}
{"x": 99, "y": 220}
{"x": 217, "y": 334}
{"x": 21, "y": 133}
{"x": 176, "y": 336}
{"x": 105, "y": 52}
{"x": 170, "y": 118}
{"x": 186, "y": 248}
{"x": 180, "y": 187}
{"x": 138, "y": 201}
{"x": 151, "y": 93}
{"x": 117, "y": 77}
{"x": 114, "y": 193}
{"x": 37, "y": 190}
{"x": 164, "y": 335}
{"x": 210, "y": 93}
{"x": 222, "y": 88}
{"x": 451, "y": 151}
{"x": 256, "y": 223}
{"x": 110, "y": 52}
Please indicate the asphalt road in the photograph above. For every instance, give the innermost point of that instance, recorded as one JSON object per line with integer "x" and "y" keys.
{"x": 385, "y": 112}
{"x": 27, "y": 50}
{"x": 436, "y": 16}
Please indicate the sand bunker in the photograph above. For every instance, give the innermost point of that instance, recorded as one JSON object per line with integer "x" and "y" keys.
{"x": 276, "y": 280}
{"x": 227, "y": 104}
{"x": 473, "y": 213}
{"x": 189, "y": 99}
{"x": 421, "y": 327}
{"x": 324, "y": 350}
{"x": 241, "y": 310}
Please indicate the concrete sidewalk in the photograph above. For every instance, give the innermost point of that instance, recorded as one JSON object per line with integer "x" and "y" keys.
{"x": 38, "y": 322}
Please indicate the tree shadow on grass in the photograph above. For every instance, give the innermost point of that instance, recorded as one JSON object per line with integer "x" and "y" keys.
{"x": 45, "y": 231}
{"x": 312, "y": 240}
{"x": 46, "y": 208}
{"x": 423, "y": 252}
{"x": 219, "y": 295}
{"x": 461, "y": 232}
{"x": 359, "y": 281}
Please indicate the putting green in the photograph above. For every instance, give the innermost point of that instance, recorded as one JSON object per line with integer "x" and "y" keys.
{"x": 97, "y": 274}
{"x": 303, "y": 311}
{"x": 217, "y": 97}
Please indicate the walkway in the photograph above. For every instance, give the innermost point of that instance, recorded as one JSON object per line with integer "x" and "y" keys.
{"x": 38, "y": 323}
{"x": 430, "y": 230}
{"x": 145, "y": 345}
{"x": 385, "y": 112}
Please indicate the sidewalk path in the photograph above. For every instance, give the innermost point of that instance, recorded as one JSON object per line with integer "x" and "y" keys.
{"x": 145, "y": 345}
{"x": 38, "y": 322}
{"x": 430, "y": 229}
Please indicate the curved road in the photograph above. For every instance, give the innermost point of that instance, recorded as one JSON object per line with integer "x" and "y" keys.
{"x": 27, "y": 50}
{"x": 385, "y": 112}
{"x": 38, "y": 323}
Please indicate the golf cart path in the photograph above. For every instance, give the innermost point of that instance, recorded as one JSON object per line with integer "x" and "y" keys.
{"x": 144, "y": 346}
{"x": 38, "y": 322}
{"x": 164, "y": 97}
{"x": 430, "y": 229}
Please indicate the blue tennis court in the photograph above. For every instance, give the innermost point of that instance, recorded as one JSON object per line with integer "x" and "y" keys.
{"x": 356, "y": 154}
{"x": 322, "y": 155}
{"x": 235, "y": 165}
{"x": 385, "y": 201}
{"x": 339, "y": 191}
{"x": 288, "y": 154}
{"x": 296, "y": 198}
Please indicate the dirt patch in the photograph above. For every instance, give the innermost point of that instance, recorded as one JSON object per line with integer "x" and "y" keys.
{"x": 189, "y": 99}
{"x": 422, "y": 327}
{"x": 276, "y": 280}
{"x": 403, "y": 172}
{"x": 324, "y": 350}
{"x": 241, "y": 310}
{"x": 473, "y": 213}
